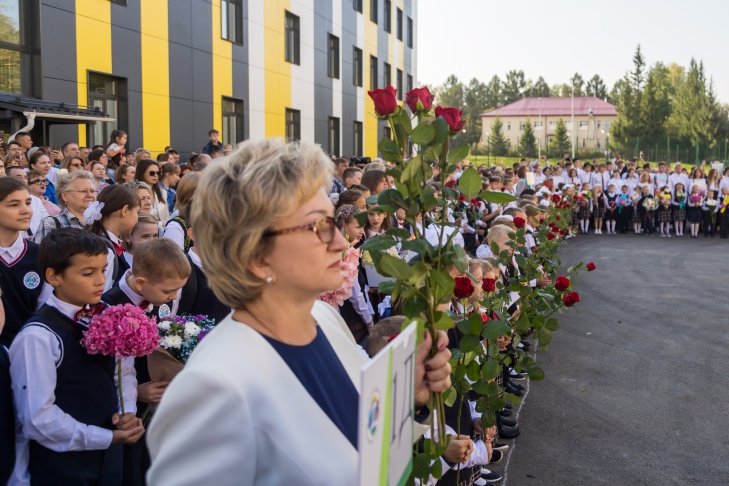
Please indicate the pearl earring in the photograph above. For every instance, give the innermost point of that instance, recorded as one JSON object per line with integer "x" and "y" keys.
{"x": 269, "y": 280}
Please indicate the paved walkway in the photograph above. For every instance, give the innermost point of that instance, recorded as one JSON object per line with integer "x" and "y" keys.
{"x": 638, "y": 382}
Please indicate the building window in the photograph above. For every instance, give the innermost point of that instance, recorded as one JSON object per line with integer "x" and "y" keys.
{"x": 521, "y": 126}
{"x": 599, "y": 125}
{"x": 333, "y": 56}
{"x": 607, "y": 125}
{"x": 568, "y": 125}
{"x": 292, "y": 38}
{"x": 14, "y": 47}
{"x": 411, "y": 34}
{"x": 552, "y": 126}
{"x": 508, "y": 126}
{"x": 231, "y": 12}
{"x": 232, "y": 121}
{"x": 388, "y": 75}
{"x": 388, "y": 15}
{"x": 388, "y": 132}
{"x": 358, "y": 67}
{"x": 373, "y": 73}
{"x": 358, "y": 5}
{"x": 538, "y": 126}
{"x": 399, "y": 24}
{"x": 583, "y": 125}
{"x": 410, "y": 83}
{"x": 334, "y": 136}
{"x": 358, "y": 140}
{"x": 293, "y": 125}
{"x": 399, "y": 85}
{"x": 373, "y": 11}
{"x": 104, "y": 95}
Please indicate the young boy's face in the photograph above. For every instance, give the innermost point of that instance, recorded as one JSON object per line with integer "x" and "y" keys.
{"x": 625, "y": 189}
{"x": 160, "y": 291}
{"x": 509, "y": 186}
{"x": 355, "y": 178}
{"x": 215, "y": 137}
{"x": 82, "y": 282}
{"x": 503, "y": 242}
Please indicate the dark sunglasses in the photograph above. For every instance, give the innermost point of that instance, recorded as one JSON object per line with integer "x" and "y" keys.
{"x": 325, "y": 228}
{"x": 152, "y": 173}
{"x": 40, "y": 182}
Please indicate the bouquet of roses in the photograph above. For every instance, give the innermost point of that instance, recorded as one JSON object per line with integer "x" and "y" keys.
{"x": 121, "y": 331}
{"x": 680, "y": 196}
{"x": 612, "y": 205}
{"x": 649, "y": 204}
{"x": 581, "y": 200}
{"x": 349, "y": 266}
{"x": 178, "y": 337}
{"x": 711, "y": 203}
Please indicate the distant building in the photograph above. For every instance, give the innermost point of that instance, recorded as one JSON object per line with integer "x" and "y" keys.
{"x": 593, "y": 118}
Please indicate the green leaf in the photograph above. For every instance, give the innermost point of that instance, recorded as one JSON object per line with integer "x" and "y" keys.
{"x": 397, "y": 233}
{"x": 378, "y": 243}
{"x": 520, "y": 260}
{"x": 488, "y": 419}
{"x": 443, "y": 322}
{"x": 497, "y": 197}
{"x": 495, "y": 329}
{"x": 535, "y": 373}
{"x": 394, "y": 267}
{"x": 512, "y": 398}
{"x": 481, "y": 387}
{"x": 361, "y": 218}
{"x": 475, "y": 324}
{"x": 552, "y": 324}
{"x": 473, "y": 371}
{"x": 386, "y": 287}
{"x": 421, "y": 465}
{"x": 436, "y": 470}
{"x": 496, "y": 403}
{"x": 462, "y": 387}
{"x": 460, "y": 260}
{"x": 431, "y": 153}
{"x": 491, "y": 370}
{"x": 413, "y": 307}
{"x": 545, "y": 336}
{"x": 458, "y": 154}
{"x": 423, "y": 134}
{"x": 411, "y": 169}
{"x": 459, "y": 373}
{"x": 391, "y": 197}
{"x": 419, "y": 246}
{"x": 470, "y": 182}
{"x": 469, "y": 343}
{"x": 449, "y": 396}
{"x": 403, "y": 118}
{"x": 441, "y": 130}
{"x": 389, "y": 150}
{"x": 444, "y": 284}
{"x": 428, "y": 199}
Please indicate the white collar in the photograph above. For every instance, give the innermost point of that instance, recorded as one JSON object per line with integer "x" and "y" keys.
{"x": 195, "y": 258}
{"x": 133, "y": 296}
{"x": 113, "y": 237}
{"x": 68, "y": 310}
{"x": 128, "y": 257}
{"x": 14, "y": 252}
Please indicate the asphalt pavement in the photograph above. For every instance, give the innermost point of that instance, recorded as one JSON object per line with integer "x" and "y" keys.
{"x": 637, "y": 382}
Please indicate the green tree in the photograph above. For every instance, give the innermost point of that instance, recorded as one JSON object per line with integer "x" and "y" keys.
{"x": 655, "y": 105}
{"x": 561, "y": 90}
{"x": 560, "y": 143}
{"x": 578, "y": 84}
{"x": 493, "y": 93}
{"x": 527, "y": 141}
{"x": 540, "y": 89}
{"x": 475, "y": 100}
{"x": 596, "y": 87}
{"x": 451, "y": 93}
{"x": 513, "y": 87}
{"x": 497, "y": 144}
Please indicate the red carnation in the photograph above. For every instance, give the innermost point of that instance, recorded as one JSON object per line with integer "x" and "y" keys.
{"x": 452, "y": 116}
{"x": 385, "y": 101}
{"x": 451, "y": 184}
{"x": 419, "y": 99}
{"x": 541, "y": 220}
{"x": 571, "y": 299}
{"x": 519, "y": 222}
{"x": 464, "y": 288}
{"x": 555, "y": 198}
{"x": 590, "y": 267}
{"x": 461, "y": 197}
{"x": 550, "y": 236}
{"x": 562, "y": 232}
{"x": 474, "y": 201}
{"x": 488, "y": 284}
{"x": 562, "y": 284}
{"x": 557, "y": 217}
{"x": 535, "y": 250}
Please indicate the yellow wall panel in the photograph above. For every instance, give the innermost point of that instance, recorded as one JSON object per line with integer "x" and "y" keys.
{"x": 277, "y": 70}
{"x": 155, "y": 75}
{"x": 93, "y": 48}
{"x": 222, "y": 69}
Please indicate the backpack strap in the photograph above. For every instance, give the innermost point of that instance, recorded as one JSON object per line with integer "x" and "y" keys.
{"x": 115, "y": 272}
{"x": 189, "y": 291}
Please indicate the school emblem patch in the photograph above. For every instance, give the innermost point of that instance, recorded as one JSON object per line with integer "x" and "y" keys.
{"x": 31, "y": 280}
{"x": 164, "y": 310}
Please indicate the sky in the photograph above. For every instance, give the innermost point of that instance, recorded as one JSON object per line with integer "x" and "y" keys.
{"x": 555, "y": 39}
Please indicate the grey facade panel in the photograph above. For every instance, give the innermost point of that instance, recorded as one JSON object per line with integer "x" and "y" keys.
{"x": 58, "y": 49}
{"x": 181, "y": 126}
{"x": 181, "y": 72}
{"x": 202, "y": 77}
{"x": 181, "y": 22}
{"x": 202, "y": 117}
{"x": 349, "y": 91}
{"x": 127, "y": 16}
{"x": 323, "y": 84}
{"x": 241, "y": 86}
{"x": 68, "y": 5}
{"x": 199, "y": 23}
{"x": 408, "y": 61}
{"x": 126, "y": 45}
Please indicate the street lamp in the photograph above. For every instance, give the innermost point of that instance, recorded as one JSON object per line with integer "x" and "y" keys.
{"x": 573, "y": 118}
{"x": 488, "y": 149}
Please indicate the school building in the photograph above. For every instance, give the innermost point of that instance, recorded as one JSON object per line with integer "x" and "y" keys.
{"x": 167, "y": 71}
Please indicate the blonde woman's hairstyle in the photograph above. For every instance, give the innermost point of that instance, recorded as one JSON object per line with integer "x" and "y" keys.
{"x": 498, "y": 231}
{"x": 487, "y": 265}
{"x": 68, "y": 160}
{"x": 138, "y": 155}
{"x": 242, "y": 196}
{"x": 160, "y": 259}
{"x": 374, "y": 166}
{"x": 63, "y": 183}
{"x": 383, "y": 331}
{"x": 473, "y": 264}
{"x": 186, "y": 190}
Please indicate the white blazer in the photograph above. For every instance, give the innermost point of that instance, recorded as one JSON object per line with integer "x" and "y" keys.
{"x": 237, "y": 415}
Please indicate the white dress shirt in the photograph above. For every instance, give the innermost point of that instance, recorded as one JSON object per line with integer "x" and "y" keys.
{"x": 39, "y": 212}
{"x": 173, "y": 231}
{"x": 674, "y": 179}
{"x": 35, "y": 355}
{"x": 110, "y": 260}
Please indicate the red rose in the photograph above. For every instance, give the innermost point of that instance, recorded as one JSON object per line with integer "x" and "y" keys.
{"x": 562, "y": 284}
{"x": 461, "y": 197}
{"x": 571, "y": 299}
{"x": 555, "y": 198}
{"x": 562, "y": 232}
{"x": 535, "y": 250}
{"x": 541, "y": 221}
{"x": 385, "y": 101}
{"x": 550, "y": 236}
{"x": 474, "y": 201}
{"x": 452, "y": 116}
{"x": 488, "y": 284}
{"x": 519, "y": 222}
{"x": 451, "y": 184}
{"x": 419, "y": 99}
{"x": 558, "y": 217}
{"x": 464, "y": 288}
{"x": 503, "y": 189}
{"x": 590, "y": 267}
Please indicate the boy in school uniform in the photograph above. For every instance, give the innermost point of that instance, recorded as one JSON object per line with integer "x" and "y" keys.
{"x": 66, "y": 399}
{"x": 159, "y": 271}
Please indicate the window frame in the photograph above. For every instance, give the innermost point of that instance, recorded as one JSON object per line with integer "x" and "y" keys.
{"x": 292, "y": 54}
{"x": 374, "y": 73}
{"x": 399, "y": 26}
{"x": 293, "y": 123}
{"x": 120, "y": 100}
{"x": 239, "y": 114}
{"x": 411, "y": 34}
{"x": 333, "y": 57}
{"x": 399, "y": 85}
{"x": 409, "y": 83}
{"x": 358, "y": 67}
{"x": 387, "y": 23}
{"x": 22, "y": 48}
{"x": 225, "y": 22}
{"x": 374, "y": 4}
{"x": 387, "y": 74}
{"x": 358, "y": 138}
{"x": 357, "y": 5}
{"x": 334, "y": 136}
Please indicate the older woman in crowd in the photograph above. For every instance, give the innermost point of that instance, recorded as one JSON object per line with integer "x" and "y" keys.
{"x": 75, "y": 192}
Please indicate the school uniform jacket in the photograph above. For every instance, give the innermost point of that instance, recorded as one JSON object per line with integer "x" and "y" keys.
{"x": 228, "y": 418}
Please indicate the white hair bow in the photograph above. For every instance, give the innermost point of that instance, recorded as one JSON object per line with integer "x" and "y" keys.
{"x": 93, "y": 212}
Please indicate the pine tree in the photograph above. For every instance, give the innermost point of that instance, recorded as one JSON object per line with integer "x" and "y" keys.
{"x": 527, "y": 141}
{"x": 577, "y": 83}
{"x": 540, "y": 89}
{"x": 497, "y": 144}
{"x": 596, "y": 87}
{"x": 560, "y": 143}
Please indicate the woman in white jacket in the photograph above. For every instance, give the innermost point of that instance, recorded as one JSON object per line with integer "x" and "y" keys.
{"x": 271, "y": 395}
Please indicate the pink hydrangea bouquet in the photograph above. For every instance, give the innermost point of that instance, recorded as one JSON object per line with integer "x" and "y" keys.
{"x": 695, "y": 198}
{"x": 350, "y": 267}
{"x": 121, "y": 331}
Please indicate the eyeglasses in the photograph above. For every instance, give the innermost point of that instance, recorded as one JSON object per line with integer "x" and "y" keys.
{"x": 152, "y": 173}
{"x": 325, "y": 229}
{"x": 84, "y": 191}
{"x": 40, "y": 182}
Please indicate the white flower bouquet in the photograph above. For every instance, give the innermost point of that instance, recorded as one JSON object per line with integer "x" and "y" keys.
{"x": 179, "y": 336}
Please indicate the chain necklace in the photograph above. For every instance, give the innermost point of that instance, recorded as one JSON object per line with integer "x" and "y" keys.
{"x": 267, "y": 328}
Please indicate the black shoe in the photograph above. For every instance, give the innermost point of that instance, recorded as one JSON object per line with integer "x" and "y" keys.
{"x": 518, "y": 386}
{"x": 517, "y": 377}
{"x": 525, "y": 345}
{"x": 505, "y": 412}
{"x": 500, "y": 447}
{"x": 496, "y": 457}
{"x": 509, "y": 405}
{"x": 513, "y": 391}
{"x": 506, "y": 432}
{"x": 506, "y": 421}
{"x": 491, "y": 476}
